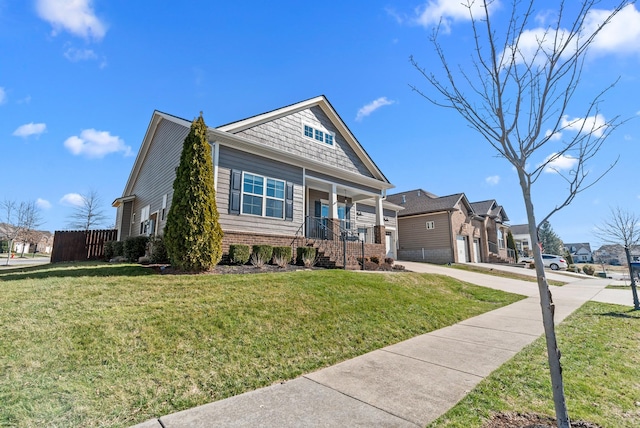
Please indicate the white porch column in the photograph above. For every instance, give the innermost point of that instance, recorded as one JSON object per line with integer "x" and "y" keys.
{"x": 333, "y": 202}
{"x": 379, "y": 212}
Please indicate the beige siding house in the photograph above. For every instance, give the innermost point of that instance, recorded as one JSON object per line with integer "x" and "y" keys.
{"x": 450, "y": 229}
{"x": 289, "y": 173}
{"x": 436, "y": 229}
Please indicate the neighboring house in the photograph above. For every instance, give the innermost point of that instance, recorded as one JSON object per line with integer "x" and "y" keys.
{"x": 580, "y": 253}
{"x": 291, "y": 176}
{"x": 494, "y": 231}
{"x": 522, "y": 238}
{"x": 436, "y": 229}
{"x": 614, "y": 254}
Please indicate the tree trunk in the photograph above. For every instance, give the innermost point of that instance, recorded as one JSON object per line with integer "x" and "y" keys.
{"x": 634, "y": 291}
{"x": 9, "y": 252}
{"x": 548, "y": 309}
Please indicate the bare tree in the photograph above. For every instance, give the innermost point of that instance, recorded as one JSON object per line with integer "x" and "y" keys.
{"x": 623, "y": 227}
{"x": 517, "y": 94}
{"x": 14, "y": 222}
{"x": 90, "y": 213}
{"x": 32, "y": 220}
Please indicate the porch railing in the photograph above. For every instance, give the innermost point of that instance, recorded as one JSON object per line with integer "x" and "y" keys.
{"x": 340, "y": 243}
{"x": 493, "y": 248}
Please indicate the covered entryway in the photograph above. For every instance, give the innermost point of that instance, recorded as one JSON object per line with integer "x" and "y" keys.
{"x": 461, "y": 244}
{"x": 390, "y": 245}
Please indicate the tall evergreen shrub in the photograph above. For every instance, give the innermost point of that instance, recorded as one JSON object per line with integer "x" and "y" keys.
{"x": 193, "y": 236}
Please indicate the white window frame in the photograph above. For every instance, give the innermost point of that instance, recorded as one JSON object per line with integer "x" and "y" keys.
{"x": 328, "y": 138}
{"x": 144, "y": 219}
{"x": 264, "y": 195}
{"x": 163, "y": 214}
{"x": 430, "y": 225}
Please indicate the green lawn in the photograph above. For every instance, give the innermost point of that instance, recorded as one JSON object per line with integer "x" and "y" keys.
{"x": 112, "y": 345}
{"x": 600, "y": 346}
{"x": 504, "y": 274}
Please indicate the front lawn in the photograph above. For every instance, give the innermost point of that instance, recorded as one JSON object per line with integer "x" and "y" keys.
{"x": 113, "y": 345}
{"x": 600, "y": 346}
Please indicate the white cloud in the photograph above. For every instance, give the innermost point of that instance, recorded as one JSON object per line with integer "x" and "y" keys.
{"x": 445, "y": 12}
{"x": 3, "y": 95}
{"x": 74, "y": 16}
{"x": 555, "y": 137}
{"x": 373, "y": 106}
{"x": 492, "y": 180}
{"x": 595, "y": 125}
{"x": 43, "y": 204}
{"x": 30, "y": 129}
{"x": 620, "y": 35}
{"x": 75, "y": 55}
{"x": 72, "y": 199}
{"x": 556, "y": 163}
{"x": 25, "y": 100}
{"x": 96, "y": 144}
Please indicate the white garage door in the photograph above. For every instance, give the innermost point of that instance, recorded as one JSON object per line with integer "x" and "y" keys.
{"x": 461, "y": 243}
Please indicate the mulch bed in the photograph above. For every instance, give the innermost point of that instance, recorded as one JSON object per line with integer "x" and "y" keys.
{"x": 530, "y": 420}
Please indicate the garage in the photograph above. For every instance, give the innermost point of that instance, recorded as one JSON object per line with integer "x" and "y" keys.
{"x": 461, "y": 244}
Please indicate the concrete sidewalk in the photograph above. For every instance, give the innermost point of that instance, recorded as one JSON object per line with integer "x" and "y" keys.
{"x": 408, "y": 384}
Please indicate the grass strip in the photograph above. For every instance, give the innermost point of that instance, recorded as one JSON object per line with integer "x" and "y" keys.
{"x": 86, "y": 345}
{"x": 504, "y": 274}
{"x": 600, "y": 346}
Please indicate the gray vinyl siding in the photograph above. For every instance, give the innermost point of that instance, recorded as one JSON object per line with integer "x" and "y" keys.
{"x": 125, "y": 220}
{"x": 232, "y": 159}
{"x": 413, "y": 233}
{"x": 367, "y": 216}
{"x": 287, "y": 133}
{"x": 157, "y": 172}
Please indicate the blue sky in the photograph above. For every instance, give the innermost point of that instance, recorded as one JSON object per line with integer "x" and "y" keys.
{"x": 79, "y": 80}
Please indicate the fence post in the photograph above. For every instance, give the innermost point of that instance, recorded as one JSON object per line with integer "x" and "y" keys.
{"x": 362, "y": 258}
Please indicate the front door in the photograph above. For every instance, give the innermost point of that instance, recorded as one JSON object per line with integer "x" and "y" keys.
{"x": 388, "y": 240}
{"x": 476, "y": 250}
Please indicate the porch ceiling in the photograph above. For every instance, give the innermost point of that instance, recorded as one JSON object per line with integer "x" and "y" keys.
{"x": 341, "y": 189}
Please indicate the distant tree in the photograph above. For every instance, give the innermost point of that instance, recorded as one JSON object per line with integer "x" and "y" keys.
{"x": 192, "y": 235}
{"x": 90, "y": 214}
{"x": 511, "y": 243}
{"x": 518, "y": 93}
{"x": 551, "y": 243}
{"x": 568, "y": 256}
{"x": 32, "y": 220}
{"x": 20, "y": 222}
{"x": 622, "y": 228}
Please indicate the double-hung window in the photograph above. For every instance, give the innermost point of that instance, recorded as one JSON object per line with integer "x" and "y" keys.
{"x": 262, "y": 196}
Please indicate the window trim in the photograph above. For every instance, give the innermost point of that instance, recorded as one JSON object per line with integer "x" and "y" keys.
{"x": 264, "y": 196}
{"x": 315, "y": 131}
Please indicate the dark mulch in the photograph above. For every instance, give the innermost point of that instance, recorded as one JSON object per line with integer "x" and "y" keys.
{"x": 530, "y": 420}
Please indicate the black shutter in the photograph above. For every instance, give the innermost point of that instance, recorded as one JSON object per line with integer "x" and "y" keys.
{"x": 318, "y": 209}
{"x": 234, "y": 194}
{"x": 347, "y": 216}
{"x": 288, "y": 203}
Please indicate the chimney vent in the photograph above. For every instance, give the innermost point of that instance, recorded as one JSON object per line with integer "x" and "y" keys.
{"x": 404, "y": 199}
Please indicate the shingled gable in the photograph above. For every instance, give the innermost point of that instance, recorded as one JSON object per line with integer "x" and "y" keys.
{"x": 490, "y": 208}
{"x": 323, "y": 103}
{"x": 418, "y": 201}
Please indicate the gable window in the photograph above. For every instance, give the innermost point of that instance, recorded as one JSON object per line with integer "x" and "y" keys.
{"x": 319, "y": 135}
{"x": 262, "y": 196}
{"x": 431, "y": 225}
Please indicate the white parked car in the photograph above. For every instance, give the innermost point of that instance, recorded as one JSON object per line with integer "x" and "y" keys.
{"x": 551, "y": 261}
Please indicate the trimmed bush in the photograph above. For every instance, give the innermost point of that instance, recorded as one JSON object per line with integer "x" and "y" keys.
{"x": 158, "y": 251}
{"x": 285, "y": 253}
{"x": 389, "y": 261}
{"x": 304, "y": 255}
{"x": 108, "y": 250}
{"x": 135, "y": 247}
{"x": 375, "y": 259}
{"x": 239, "y": 254}
{"x": 118, "y": 248}
{"x": 264, "y": 252}
{"x": 589, "y": 270}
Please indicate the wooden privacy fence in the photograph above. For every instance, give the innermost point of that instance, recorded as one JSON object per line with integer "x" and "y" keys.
{"x": 78, "y": 245}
